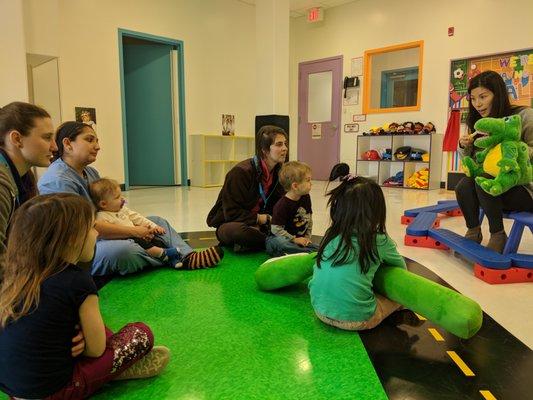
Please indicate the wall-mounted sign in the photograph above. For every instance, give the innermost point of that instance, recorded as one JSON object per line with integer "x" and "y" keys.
{"x": 353, "y": 128}
{"x": 359, "y": 118}
{"x": 357, "y": 66}
{"x": 315, "y": 14}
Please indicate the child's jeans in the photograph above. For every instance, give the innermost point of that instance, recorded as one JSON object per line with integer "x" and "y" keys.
{"x": 384, "y": 308}
{"x": 123, "y": 349}
{"x": 277, "y": 246}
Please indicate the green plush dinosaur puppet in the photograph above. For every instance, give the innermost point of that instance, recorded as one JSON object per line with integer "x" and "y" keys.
{"x": 504, "y": 156}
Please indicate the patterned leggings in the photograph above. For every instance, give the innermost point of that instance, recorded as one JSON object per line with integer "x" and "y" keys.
{"x": 123, "y": 349}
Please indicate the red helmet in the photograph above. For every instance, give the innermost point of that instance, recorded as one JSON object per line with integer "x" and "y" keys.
{"x": 371, "y": 155}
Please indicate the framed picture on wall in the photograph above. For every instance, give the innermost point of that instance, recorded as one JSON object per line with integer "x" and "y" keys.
{"x": 228, "y": 125}
{"x": 86, "y": 115}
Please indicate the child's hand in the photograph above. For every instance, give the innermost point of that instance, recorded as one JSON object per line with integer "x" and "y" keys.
{"x": 141, "y": 232}
{"x": 78, "y": 343}
{"x": 158, "y": 230}
{"x": 262, "y": 219}
{"x": 301, "y": 241}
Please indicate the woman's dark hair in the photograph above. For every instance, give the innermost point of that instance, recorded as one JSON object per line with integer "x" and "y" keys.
{"x": 20, "y": 117}
{"x": 70, "y": 130}
{"x": 265, "y": 137}
{"x": 501, "y": 106}
{"x": 357, "y": 208}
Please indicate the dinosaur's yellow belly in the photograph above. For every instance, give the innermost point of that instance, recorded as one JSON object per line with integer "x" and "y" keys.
{"x": 493, "y": 156}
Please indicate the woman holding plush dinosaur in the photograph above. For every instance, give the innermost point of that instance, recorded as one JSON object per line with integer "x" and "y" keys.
{"x": 489, "y": 98}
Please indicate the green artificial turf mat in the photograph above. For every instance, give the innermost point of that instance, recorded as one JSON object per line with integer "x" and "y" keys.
{"x": 228, "y": 340}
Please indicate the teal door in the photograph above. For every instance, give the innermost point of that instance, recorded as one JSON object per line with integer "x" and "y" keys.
{"x": 149, "y": 116}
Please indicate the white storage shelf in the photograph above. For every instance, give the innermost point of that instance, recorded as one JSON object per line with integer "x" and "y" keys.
{"x": 212, "y": 156}
{"x": 381, "y": 170}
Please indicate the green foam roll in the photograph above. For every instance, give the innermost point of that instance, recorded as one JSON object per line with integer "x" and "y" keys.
{"x": 283, "y": 271}
{"x": 454, "y": 312}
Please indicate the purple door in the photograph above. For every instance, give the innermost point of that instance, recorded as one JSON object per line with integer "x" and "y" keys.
{"x": 319, "y": 114}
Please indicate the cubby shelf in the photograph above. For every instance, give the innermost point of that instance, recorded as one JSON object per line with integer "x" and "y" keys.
{"x": 212, "y": 156}
{"x": 381, "y": 170}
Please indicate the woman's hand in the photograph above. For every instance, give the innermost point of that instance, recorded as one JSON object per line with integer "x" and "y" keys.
{"x": 141, "y": 232}
{"x": 301, "y": 241}
{"x": 466, "y": 140}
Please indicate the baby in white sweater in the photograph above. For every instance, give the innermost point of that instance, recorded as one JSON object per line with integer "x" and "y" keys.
{"x": 107, "y": 197}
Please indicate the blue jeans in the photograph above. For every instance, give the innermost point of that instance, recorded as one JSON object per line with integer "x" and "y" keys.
{"x": 277, "y": 246}
{"x": 124, "y": 256}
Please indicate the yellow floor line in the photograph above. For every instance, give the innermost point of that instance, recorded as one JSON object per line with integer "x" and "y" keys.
{"x": 421, "y": 318}
{"x": 207, "y": 238}
{"x": 438, "y": 337}
{"x": 487, "y": 395}
{"x": 460, "y": 363}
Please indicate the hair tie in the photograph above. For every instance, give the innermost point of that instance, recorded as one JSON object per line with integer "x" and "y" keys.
{"x": 348, "y": 178}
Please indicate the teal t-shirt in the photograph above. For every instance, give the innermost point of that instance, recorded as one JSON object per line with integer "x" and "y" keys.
{"x": 343, "y": 292}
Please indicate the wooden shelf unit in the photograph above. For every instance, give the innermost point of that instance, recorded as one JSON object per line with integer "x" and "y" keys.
{"x": 212, "y": 156}
{"x": 380, "y": 170}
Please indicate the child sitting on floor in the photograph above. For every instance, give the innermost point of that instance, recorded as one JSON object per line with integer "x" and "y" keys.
{"x": 292, "y": 220}
{"x": 45, "y": 296}
{"x": 353, "y": 248}
{"x": 107, "y": 198}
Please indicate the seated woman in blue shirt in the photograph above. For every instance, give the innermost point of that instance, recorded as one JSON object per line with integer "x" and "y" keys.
{"x": 78, "y": 147}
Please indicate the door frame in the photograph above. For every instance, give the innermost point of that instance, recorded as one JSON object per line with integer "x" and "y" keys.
{"x": 305, "y": 63}
{"x": 180, "y": 79}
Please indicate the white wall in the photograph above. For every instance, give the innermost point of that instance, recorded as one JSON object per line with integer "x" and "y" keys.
{"x": 13, "y": 81}
{"x": 219, "y": 46}
{"x": 481, "y": 27}
{"x": 41, "y": 22}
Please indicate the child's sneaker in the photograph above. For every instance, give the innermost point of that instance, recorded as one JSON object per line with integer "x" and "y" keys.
{"x": 207, "y": 258}
{"x": 172, "y": 257}
{"x": 150, "y": 365}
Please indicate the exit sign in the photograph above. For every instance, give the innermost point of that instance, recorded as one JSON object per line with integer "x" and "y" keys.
{"x": 315, "y": 14}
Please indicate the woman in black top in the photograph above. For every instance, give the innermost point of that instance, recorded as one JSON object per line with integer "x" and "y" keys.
{"x": 244, "y": 205}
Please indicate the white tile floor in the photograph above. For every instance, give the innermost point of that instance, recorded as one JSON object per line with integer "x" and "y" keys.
{"x": 510, "y": 305}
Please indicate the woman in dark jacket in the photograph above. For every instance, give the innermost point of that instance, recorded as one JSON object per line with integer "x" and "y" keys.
{"x": 244, "y": 205}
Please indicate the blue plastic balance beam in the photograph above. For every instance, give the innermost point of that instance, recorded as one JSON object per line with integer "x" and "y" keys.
{"x": 470, "y": 249}
{"x": 521, "y": 260}
{"x": 438, "y": 208}
{"x": 422, "y": 223}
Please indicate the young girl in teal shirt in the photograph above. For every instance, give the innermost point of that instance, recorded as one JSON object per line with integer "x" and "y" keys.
{"x": 354, "y": 247}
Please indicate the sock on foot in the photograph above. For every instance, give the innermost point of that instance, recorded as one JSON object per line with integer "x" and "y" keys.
{"x": 497, "y": 241}
{"x": 474, "y": 234}
{"x": 207, "y": 258}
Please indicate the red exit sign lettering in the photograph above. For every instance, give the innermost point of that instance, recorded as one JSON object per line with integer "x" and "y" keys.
{"x": 315, "y": 14}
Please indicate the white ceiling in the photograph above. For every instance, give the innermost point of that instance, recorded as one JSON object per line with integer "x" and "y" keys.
{"x": 299, "y": 8}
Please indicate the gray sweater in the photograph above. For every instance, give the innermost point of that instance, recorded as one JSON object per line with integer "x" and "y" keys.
{"x": 8, "y": 194}
{"x": 527, "y": 137}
